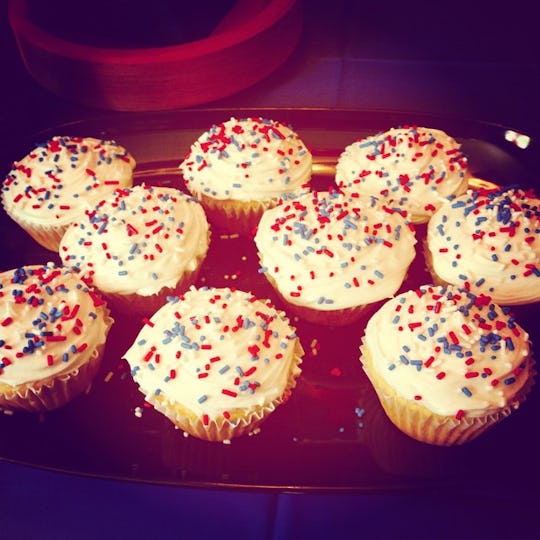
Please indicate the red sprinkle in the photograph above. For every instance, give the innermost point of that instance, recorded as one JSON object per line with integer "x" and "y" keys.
{"x": 55, "y": 338}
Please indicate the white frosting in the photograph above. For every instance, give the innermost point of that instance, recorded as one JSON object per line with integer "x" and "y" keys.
{"x": 414, "y": 167}
{"x": 214, "y": 350}
{"x": 139, "y": 240}
{"x": 327, "y": 251}
{"x": 489, "y": 241}
{"x": 65, "y": 176}
{"x": 450, "y": 350}
{"x": 50, "y": 323}
{"x": 251, "y": 159}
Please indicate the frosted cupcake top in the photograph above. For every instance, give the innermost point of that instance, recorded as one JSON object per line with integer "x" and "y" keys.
{"x": 50, "y": 323}
{"x": 416, "y": 168}
{"x": 249, "y": 159}
{"x": 327, "y": 251}
{"x": 60, "y": 179}
{"x": 214, "y": 350}
{"x": 452, "y": 351}
{"x": 138, "y": 240}
{"x": 488, "y": 241}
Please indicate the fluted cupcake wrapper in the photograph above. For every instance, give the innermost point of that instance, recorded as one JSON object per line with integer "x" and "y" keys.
{"x": 147, "y": 305}
{"x": 54, "y": 392}
{"x": 423, "y": 425}
{"x": 234, "y": 216}
{"x": 222, "y": 429}
{"x": 48, "y": 236}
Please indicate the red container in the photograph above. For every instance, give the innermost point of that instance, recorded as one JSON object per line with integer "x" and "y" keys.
{"x": 251, "y": 41}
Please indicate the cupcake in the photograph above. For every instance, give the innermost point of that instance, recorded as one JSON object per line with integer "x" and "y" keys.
{"x": 415, "y": 168}
{"x": 53, "y": 330}
{"x": 329, "y": 256}
{"x": 487, "y": 241}
{"x": 241, "y": 167}
{"x": 446, "y": 364}
{"x": 216, "y": 361}
{"x": 55, "y": 183}
{"x": 139, "y": 246}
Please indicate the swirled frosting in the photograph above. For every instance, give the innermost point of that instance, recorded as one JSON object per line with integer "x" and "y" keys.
{"x": 50, "y": 323}
{"x": 65, "y": 176}
{"x": 213, "y": 350}
{"x": 415, "y": 167}
{"x": 489, "y": 242}
{"x": 450, "y": 350}
{"x": 250, "y": 159}
{"x": 328, "y": 251}
{"x": 139, "y": 240}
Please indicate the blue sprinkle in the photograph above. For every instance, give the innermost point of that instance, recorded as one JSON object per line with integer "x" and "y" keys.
{"x": 417, "y": 364}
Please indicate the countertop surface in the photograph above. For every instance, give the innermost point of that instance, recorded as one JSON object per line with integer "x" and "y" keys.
{"x": 468, "y": 62}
